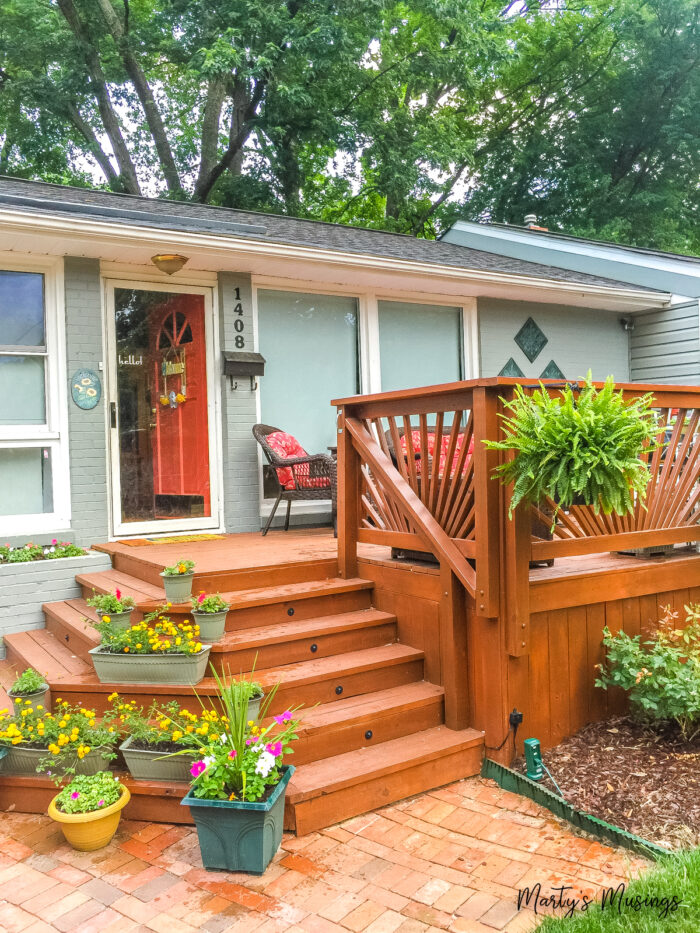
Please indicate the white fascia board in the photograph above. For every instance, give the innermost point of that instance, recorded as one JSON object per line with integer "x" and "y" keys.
{"x": 79, "y": 229}
{"x": 607, "y": 252}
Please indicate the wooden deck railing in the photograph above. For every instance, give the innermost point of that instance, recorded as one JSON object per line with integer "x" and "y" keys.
{"x": 413, "y": 473}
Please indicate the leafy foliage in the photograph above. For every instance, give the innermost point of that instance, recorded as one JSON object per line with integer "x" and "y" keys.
{"x": 89, "y": 792}
{"x": 25, "y": 553}
{"x": 208, "y": 603}
{"x": 156, "y": 634}
{"x": 28, "y": 682}
{"x": 165, "y": 725}
{"x": 398, "y": 114}
{"x": 179, "y": 568}
{"x": 577, "y": 448}
{"x": 111, "y": 603}
{"x": 241, "y": 762}
{"x": 661, "y": 673}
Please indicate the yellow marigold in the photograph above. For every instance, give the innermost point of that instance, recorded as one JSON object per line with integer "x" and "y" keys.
{"x": 106, "y": 618}
{"x": 126, "y": 650}
{"x": 112, "y": 697}
{"x": 176, "y": 735}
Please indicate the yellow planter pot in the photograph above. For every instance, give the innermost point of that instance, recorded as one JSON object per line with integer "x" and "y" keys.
{"x": 89, "y": 831}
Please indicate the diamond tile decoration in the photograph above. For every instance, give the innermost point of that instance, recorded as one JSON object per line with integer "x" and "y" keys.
{"x": 552, "y": 371}
{"x": 530, "y": 339}
{"x": 511, "y": 369}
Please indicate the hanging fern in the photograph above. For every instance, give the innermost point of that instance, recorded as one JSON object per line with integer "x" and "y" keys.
{"x": 583, "y": 449}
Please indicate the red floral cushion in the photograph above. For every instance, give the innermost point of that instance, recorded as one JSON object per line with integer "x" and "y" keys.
{"x": 444, "y": 445}
{"x": 298, "y": 475}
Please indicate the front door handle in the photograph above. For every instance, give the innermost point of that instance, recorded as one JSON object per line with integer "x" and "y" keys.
{"x": 113, "y": 414}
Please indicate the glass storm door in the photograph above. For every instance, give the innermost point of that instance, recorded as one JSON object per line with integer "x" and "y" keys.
{"x": 162, "y": 413}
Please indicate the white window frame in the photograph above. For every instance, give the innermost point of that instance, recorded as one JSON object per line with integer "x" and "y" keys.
{"x": 52, "y": 435}
{"x": 368, "y": 326}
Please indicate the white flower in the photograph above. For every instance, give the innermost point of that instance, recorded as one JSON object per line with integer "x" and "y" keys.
{"x": 265, "y": 764}
{"x": 224, "y": 738}
{"x": 209, "y": 760}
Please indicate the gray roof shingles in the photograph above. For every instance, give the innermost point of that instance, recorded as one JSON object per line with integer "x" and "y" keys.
{"x": 40, "y": 197}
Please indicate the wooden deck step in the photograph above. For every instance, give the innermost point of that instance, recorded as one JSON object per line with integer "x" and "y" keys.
{"x": 367, "y": 719}
{"x": 328, "y": 791}
{"x": 249, "y": 648}
{"x": 258, "y": 606}
{"x": 325, "y": 680}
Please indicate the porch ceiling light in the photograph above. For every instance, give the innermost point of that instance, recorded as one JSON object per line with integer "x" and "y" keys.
{"x": 169, "y": 262}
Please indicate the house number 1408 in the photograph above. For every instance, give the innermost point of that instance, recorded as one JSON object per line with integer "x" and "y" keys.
{"x": 238, "y": 323}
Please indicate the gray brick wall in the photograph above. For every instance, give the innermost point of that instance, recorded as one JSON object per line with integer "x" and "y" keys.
{"x": 88, "y": 454}
{"x": 240, "y": 456}
{"x": 25, "y": 587}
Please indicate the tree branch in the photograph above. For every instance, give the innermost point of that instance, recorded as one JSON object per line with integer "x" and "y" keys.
{"x": 127, "y": 173}
{"x": 145, "y": 95}
{"x": 216, "y": 94}
{"x": 93, "y": 145}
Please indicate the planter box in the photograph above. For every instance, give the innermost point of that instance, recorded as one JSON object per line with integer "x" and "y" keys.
{"x": 24, "y": 588}
{"x": 119, "y": 621}
{"x": 237, "y": 836}
{"x": 178, "y": 587}
{"x": 22, "y": 760}
{"x": 212, "y": 625}
{"x": 40, "y": 698}
{"x": 147, "y": 764}
{"x": 180, "y": 669}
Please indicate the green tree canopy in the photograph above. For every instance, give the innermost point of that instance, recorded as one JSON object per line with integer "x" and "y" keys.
{"x": 399, "y": 115}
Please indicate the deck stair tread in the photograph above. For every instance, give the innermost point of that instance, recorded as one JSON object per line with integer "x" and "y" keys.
{"x": 62, "y": 666}
{"x": 369, "y": 704}
{"x": 106, "y": 581}
{"x": 346, "y": 770}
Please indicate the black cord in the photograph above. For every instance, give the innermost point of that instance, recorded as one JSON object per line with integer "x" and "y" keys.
{"x": 497, "y": 748}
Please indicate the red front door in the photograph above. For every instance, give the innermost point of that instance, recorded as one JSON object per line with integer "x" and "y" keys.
{"x": 163, "y": 405}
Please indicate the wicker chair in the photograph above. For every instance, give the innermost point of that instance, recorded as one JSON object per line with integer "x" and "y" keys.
{"x": 314, "y": 476}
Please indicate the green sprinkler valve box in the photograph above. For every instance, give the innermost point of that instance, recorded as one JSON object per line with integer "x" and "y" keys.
{"x": 533, "y": 759}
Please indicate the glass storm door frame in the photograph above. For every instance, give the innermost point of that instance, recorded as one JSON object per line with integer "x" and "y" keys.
{"x": 212, "y": 522}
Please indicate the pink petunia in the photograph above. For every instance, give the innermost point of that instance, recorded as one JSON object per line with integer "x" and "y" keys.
{"x": 285, "y": 717}
{"x": 252, "y": 740}
{"x": 74, "y": 795}
{"x": 200, "y": 598}
{"x": 232, "y": 753}
{"x": 101, "y": 803}
{"x": 118, "y": 593}
{"x": 274, "y": 748}
{"x": 54, "y": 541}
{"x": 197, "y": 768}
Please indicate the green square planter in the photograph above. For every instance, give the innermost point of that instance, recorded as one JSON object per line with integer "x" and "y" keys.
{"x": 181, "y": 669}
{"x": 146, "y": 764}
{"x": 238, "y": 836}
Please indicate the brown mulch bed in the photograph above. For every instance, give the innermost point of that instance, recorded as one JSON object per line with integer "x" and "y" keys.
{"x": 642, "y": 780}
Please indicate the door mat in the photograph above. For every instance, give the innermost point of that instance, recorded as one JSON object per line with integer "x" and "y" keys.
{"x": 175, "y": 539}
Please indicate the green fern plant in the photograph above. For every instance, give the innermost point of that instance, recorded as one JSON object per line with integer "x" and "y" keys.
{"x": 583, "y": 449}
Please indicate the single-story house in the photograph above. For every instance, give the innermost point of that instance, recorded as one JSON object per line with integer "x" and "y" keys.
{"x": 664, "y": 342}
{"x": 126, "y": 407}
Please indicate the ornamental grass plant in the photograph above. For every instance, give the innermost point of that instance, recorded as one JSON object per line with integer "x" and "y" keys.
{"x": 155, "y": 634}
{"x": 582, "y": 447}
{"x": 243, "y": 760}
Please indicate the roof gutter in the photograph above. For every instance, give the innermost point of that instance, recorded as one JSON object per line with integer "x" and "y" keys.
{"x": 213, "y": 244}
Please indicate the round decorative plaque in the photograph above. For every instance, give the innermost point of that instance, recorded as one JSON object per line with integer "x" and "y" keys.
{"x": 86, "y": 389}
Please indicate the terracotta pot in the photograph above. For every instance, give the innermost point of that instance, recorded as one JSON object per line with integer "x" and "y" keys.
{"x": 89, "y": 831}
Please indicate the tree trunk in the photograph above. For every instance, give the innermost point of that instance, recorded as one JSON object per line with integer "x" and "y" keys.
{"x": 216, "y": 94}
{"x": 110, "y": 121}
{"x": 145, "y": 95}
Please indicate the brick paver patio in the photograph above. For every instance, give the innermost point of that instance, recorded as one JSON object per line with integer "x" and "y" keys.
{"x": 450, "y": 860}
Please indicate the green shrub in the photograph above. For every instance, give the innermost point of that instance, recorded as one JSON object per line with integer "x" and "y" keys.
{"x": 89, "y": 792}
{"x": 28, "y": 682}
{"x": 660, "y": 673}
{"x": 578, "y": 448}
{"x": 179, "y": 568}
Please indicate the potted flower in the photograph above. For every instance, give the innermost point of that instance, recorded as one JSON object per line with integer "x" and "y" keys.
{"x": 88, "y": 810}
{"x": 155, "y": 734}
{"x": 30, "y": 689}
{"x": 69, "y": 741}
{"x": 238, "y": 784}
{"x": 177, "y": 581}
{"x": 155, "y": 651}
{"x": 113, "y": 608}
{"x": 209, "y": 612}
{"x": 583, "y": 449}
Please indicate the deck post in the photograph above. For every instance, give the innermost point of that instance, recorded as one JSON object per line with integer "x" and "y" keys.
{"x": 348, "y": 500}
{"x": 517, "y": 579}
{"x": 486, "y": 501}
{"x": 453, "y": 649}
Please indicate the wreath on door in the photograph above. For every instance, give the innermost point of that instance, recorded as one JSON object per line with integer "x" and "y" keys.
{"x": 174, "y": 332}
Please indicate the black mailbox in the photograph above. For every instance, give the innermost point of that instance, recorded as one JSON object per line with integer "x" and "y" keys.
{"x": 238, "y": 363}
